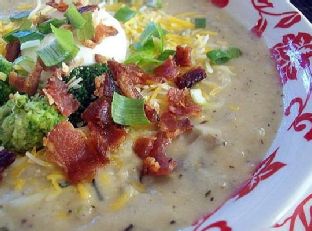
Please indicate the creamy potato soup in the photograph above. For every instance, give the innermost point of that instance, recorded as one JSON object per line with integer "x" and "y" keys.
{"x": 128, "y": 117}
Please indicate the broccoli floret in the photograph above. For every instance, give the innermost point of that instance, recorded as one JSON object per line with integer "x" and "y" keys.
{"x": 25, "y": 121}
{"x": 5, "y": 91}
{"x": 5, "y": 66}
{"x": 82, "y": 86}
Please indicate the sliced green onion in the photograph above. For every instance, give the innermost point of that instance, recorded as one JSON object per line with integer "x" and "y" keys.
{"x": 154, "y": 3}
{"x": 74, "y": 17}
{"x": 20, "y": 15}
{"x": 66, "y": 40}
{"x": 126, "y": 111}
{"x": 5, "y": 66}
{"x": 45, "y": 27}
{"x": 53, "y": 54}
{"x": 87, "y": 31}
{"x": 3, "y": 77}
{"x": 124, "y": 14}
{"x": 198, "y": 97}
{"x": 30, "y": 44}
{"x": 220, "y": 56}
{"x": 25, "y": 24}
{"x": 166, "y": 54}
{"x": 152, "y": 30}
{"x": 25, "y": 63}
{"x": 23, "y": 36}
{"x": 200, "y": 22}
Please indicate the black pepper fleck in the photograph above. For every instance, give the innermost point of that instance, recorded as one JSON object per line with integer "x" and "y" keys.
{"x": 172, "y": 222}
{"x": 231, "y": 166}
{"x": 129, "y": 227}
{"x": 204, "y": 122}
{"x": 212, "y": 199}
{"x": 261, "y": 141}
{"x": 69, "y": 211}
{"x": 93, "y": 206}
{"x": 207, "y": 193}
{"x": 23, "y": 221}
{"x": 180, "y": 176}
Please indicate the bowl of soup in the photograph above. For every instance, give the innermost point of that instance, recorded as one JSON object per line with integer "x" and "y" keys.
{"x": 155, "y": 115}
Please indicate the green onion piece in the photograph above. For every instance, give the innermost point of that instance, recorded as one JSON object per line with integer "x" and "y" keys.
{"x": 87, "y": 31}
{"x": 200, "y": 22}
{"x": 126, "y": 111}
{"x": 124, "y": 14}
{"x": 154, "y": 3}
{"x": 45, "y": 27}
{"x": 30, "y": 44}
{"x": 220, "y": 56}
{"x": 25, "y": 24}
{"x": 152, "y": 30}
{"x": 5, "y": 66}
{"x": 144, "y": 59}
{"x": 166, "y": 54}
{"x": 3, "y": 77}
{"x": 66, "y": 40}
{"x": 25, "y": 63}
{"x": 23, "y": 36}
{"x": 20, "y": 15}
{"x": 74, "y": 17}
{"x": 53, "y": 54}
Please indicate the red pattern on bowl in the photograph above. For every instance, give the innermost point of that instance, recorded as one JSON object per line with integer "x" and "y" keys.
{"x": 278, "y": 196}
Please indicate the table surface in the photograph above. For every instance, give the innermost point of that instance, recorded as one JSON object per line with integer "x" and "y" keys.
{"x": 305, "y": 6}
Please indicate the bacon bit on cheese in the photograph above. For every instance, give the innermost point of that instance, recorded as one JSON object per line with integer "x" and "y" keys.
{"x": 60, "y": 6}
{"x": 13, "y": 50}
{"x": 57, "y": 92}
{"x": 183, "y": 56}
{"x": 27, "y": 85}
{"x": 167, "y": 69}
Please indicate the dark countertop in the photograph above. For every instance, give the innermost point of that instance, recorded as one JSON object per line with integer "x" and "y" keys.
{"x": 305, "y": 6}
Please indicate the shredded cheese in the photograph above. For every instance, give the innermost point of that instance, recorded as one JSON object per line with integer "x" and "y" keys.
{"x": 124, "y": 198}
{"x": 55, "y": 179}
{"x": 37, "y": 160}
{"x": 83, "y": 191}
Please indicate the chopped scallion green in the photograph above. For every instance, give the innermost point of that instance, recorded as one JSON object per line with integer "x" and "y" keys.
{"x": 25, "y": 63}
{"x": 154, "y": 3}
{"x": 124, "y": 14}
{"x": 45, "y": 27}
{"x": 220, "y": 56}
{"x": 19, "y": 15}
{"x": 53, "y": 54}
{"x": 87, "y": 31}
{"x": 23, "y": 36}
{"x": 30, "y": 44}
{"x": 74, "y": 17}
{"x": 200, "y": 22}
{"x": 126, "y": 111}
{"x": 166, "y": 54}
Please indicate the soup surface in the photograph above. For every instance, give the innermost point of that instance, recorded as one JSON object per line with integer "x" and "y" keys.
{"x": 213, "y": 160}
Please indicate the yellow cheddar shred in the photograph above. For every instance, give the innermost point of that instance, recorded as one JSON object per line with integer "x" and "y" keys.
{"x": 83, "y": 191}
{"x": 55, "y": 178}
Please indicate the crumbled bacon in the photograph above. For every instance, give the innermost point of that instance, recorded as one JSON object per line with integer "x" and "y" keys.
{"x": 13, "y": 50}
{"x": 183, "y": 56}
{"x": 57, "y": 92}
{"x": 71, "y": 150}
{"x": 102, "y": 31}
{"x": 6, "y": 159}
{"x": 105, "y": 86}
{"x": 29, "y": 84}
{"x": 168, "y": 69}
{"x": 98, "y": 112}
{"x": 127, "y": 76}
{"x": 152, "y": 152}
{"x": 61, "y": 6}
{"x": 191, "y": 77}
{"x": 88, "y": 8}
{"x": 173, "y": 126}
{"x": 181, "y": 103}
{"x": 89, "y": 43}
{"x": 100, "y": 58}
{"x": 151, "y": 114}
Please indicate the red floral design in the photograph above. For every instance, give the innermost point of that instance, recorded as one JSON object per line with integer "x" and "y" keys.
{"x": 266, "y": 169}
{"x": 222, "y": 225}
{"x": 220, "y": 3}
{"x": 301, "y": 215}
{"x": 287, "y": 18}
{"x": 291, "y": 54}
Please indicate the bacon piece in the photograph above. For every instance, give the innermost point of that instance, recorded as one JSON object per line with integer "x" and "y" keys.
{"x": 183, "y": 56}
{"x": 152, "y": 152}
{"x": 190, "y": 78}
{"x": 102, "y": 31}
{"x": 181, "y": 103}
{"x": 105, "y": 86}
{"x": 57, "y": 92}
{"x": 98, "y": 112}
{"x": 71, "y": 150}
{"x": 13, "y": 50}
{"x": 100, "y": 58}
{"x": 88, "y": 8}
{"x": 61, "y": 6}
{"x": 6, "y": 159}
{"x": 173, "y": 126}
{"x": 168, "y": 69}
{"x": 151, "y": 114}
{"x": 29, "y": 84}
{"x": 127, "y": 76}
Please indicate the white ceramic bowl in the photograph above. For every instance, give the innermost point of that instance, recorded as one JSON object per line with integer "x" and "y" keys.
{"x": 278, "y": 195}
